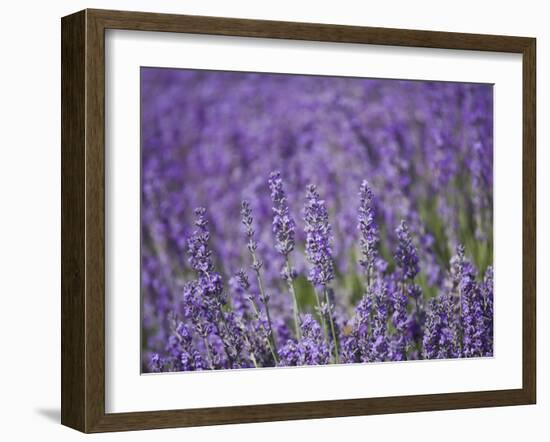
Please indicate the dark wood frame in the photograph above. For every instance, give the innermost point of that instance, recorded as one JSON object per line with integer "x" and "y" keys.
{"x": 83, "y": 218}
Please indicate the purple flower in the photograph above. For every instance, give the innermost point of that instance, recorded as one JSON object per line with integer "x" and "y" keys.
{"x": 183, "y": 354}
{"x": 252, "y": 245}
{"x": 401, "y": 340}
{"x": 473, "y": 328}
{"x": 472, "y": 306}
{"x": 356, "y": 346}
{"x": 209, "y": 282}
{"x": 379, "y": 350}
{"x": 318, "y": 239}
{"x": 405, "y": 256}
{"x": 439, "y": 338}
{"x": 239, "y": 295}
{"x": 242, "y": 280}
{"x": 200, "y": 257}
{"x": 368, "y": 339}
{"x": 283, "y": 223}
{"x": 319, "y": 254}
{"x": 207, "y": 299}
{"x": 311, "y": 349}
{"x": 487, "y": 290}
{"x": 368, "y": 230}
{"x": 156, "y": 364}
{"x": 284, "y": 229}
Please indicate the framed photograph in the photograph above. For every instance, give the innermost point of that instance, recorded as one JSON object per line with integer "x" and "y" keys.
{"x": 268, "y": 220}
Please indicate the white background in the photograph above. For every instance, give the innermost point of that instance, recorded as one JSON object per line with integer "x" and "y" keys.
{"x": 30, "y": 221}
{"x": 128, "y": 391}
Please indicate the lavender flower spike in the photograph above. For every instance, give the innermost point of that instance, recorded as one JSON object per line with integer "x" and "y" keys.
{"x": 318, "y": 238}
{"x": 368, "y": 229}
{"x": 200, "y": 256}
{"x": 283, "y": 223}
{"x": 209, "y": 285}
{"x": 319, "y": 253}
{"x": 284, "y": 229}
{"x": 311, "y": 349}
{"x": 471, "y": 308}
{"x": 488, "y": 311}
{"x": 242, "y": 280}
{"x": 252, "y": 245}
{"x": 406, "y": 257}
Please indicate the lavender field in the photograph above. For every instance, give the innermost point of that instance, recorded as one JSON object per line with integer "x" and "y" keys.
{"x": 293, "y": 220}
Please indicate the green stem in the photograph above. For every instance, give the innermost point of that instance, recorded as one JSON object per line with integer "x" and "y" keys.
{"x": 271, "y": 336}
{"x": 226, "y": 344}
{"x": 208, "y": 353}
{"x": 251, "y": 354}
{"x": 321, "y": 315}
{"x": 290, "y": 283}
{"x": 257, "y": 313}
{"x": 460, "y": 324}
{"x": 332, "y": 329}
{"x": 407, "y": 345}
{"x": 368, "y": 280}
{"x": 250, "y": 351}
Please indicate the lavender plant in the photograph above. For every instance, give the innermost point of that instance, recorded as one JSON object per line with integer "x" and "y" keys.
{"x": 368, "y": 232}
{"x": 283, "y": 229}
{"x": 319, "y": 254}
{"x": 401, "y": 270}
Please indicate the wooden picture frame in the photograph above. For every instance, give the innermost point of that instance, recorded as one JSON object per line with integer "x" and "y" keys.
{"x": 83, "y": 220}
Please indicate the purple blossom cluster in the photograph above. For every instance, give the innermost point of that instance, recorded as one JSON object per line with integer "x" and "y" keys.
{"x": 304, "y": 220}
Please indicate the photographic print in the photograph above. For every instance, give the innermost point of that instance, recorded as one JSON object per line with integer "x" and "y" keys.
{"x": 295, "y": 220}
